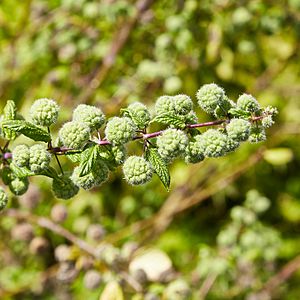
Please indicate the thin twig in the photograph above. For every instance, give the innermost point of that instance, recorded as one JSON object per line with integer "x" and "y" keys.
{"x": 207, "y": 285}
{"x": 283, "y": 275}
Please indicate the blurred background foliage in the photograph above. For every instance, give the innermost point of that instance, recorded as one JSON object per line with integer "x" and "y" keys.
{"x": 112, "y": 52}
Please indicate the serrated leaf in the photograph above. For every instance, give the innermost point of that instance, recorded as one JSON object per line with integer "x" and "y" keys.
{"x": 28, "y": 129}
{"x": 159, "y": 166}
{"x": 170, "y": 119}
{"x": 134, "y": 117}
{"x": 88, "y": 159}
{"x": 20, "y": 172}
{"x": 236, "y": 112}
{"x": 50, "y": 172}
{"x": 74, "y": 157}
{"x": 9, "y": 113}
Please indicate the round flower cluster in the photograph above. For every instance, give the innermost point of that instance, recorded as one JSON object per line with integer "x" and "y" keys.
{"x": 257, "y": 134}
{"x": 238, "y": 129}
{"x": 119, "y": 130}
{"x": 140, "y": 114}
{"x": 137, "y": 170}
{"x": 19, "y": 186}
{"x": 248, "y": 103}
{"x": 39, "y": 158}
{"x": 64, "y": 188}
{"x": 3, "y": 199}
{"x": 44, "y": 112}
{"x": 21, "y": 155}
{"x": 98, "y": 175}
{"x": 74, "y": 134}
{"x": 193, "y": 153}
{"x": 176, "y": 105}
{"x": 210, "y": 96}
{"x": 92, "y": 116}
{"x": 171, "y": 144}
{"x": 213, "y": 143}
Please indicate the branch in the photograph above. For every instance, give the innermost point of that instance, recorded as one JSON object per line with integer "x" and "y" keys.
{"x": 284, "y": 274}
{"x": 119, "y": 40}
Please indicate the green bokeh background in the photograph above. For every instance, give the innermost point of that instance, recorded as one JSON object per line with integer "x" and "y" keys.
{"x": 62, "y": 49}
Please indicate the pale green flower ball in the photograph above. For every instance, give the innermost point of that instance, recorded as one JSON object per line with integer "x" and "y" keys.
{"x": 174, "y": 105}
{"x": 44, "y": 112}
{"x": 165, "y": 104}
{"x": 171, "y": 144}
{"x": 210, "y": 96}
{"x": 257, "y": 134}
{"x": 74, "y": 134}
{"x": 248, "y": 103}
{"x": 213, "y": 143}
{"x": 64, "y": 187}
{"x": 92, "y": 116}
{"x": 183, "y": 104}
{"x": 120, "y": 130}
{"x": 232, "y": 144}
{"x": 238, "y": 129}
{"x": 3, "y": 199}
{"x": 19, "y": 186}
{"x": 39, "y": 158}
{"x": 137, "y": 170}
{"x": 97, "y": 176}
{"x": 193, "y": 153}
{"x": 21, "y": 155}
{"x": 140, "y": 114}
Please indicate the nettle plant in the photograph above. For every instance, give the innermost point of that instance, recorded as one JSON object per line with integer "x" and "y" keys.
{"x": 98, "y": 146}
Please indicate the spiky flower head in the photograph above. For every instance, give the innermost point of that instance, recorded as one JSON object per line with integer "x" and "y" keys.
{"x": 193, "y": 153}
{"x": 175, "y": 105}
{"x": 19, "y": 186}
{"x": 137, "y": 170}
{"x": 120, "y": 130}
{"x": 248, "y": 103}
{"x": 21, "y": 155}
{"x": 64, "y": 188}
{"x": 183, "y": 104}
{"x": 98, "y": 175}
{"x": 171, "y": 144}
{"x": 238, "y": 129}
{"x": 165, "y": 104}
{"x": 232, "y": 144}
{"x": 91, "y": 115}
{"x": 177, "y": 290}
{"x": 3, "y": 199}
{"x": 139, "y": 114}
{"x": 44, "y": 112}
{"x": 258, "y": 134}
{"x": 39, "y": 158}
{"x": 74, "y": 134}
{"x": 213, "y": 143}
{"x": 210, "y": 96}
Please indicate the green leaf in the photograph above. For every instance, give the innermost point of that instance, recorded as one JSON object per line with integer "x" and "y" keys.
{"x": 159, "y": 166}
{"x": 50, "y": 172}
{"x": 20, "y": 172}
{"x": 9, "y": 111}
{"x": 28, "y": 129}
{"x": 239, "y": 113}
{"x": 140, "y": 123}
{"x": 74, "y": 157}
{"x": 88, "y": 159}
{"x": 170, "y": 119}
